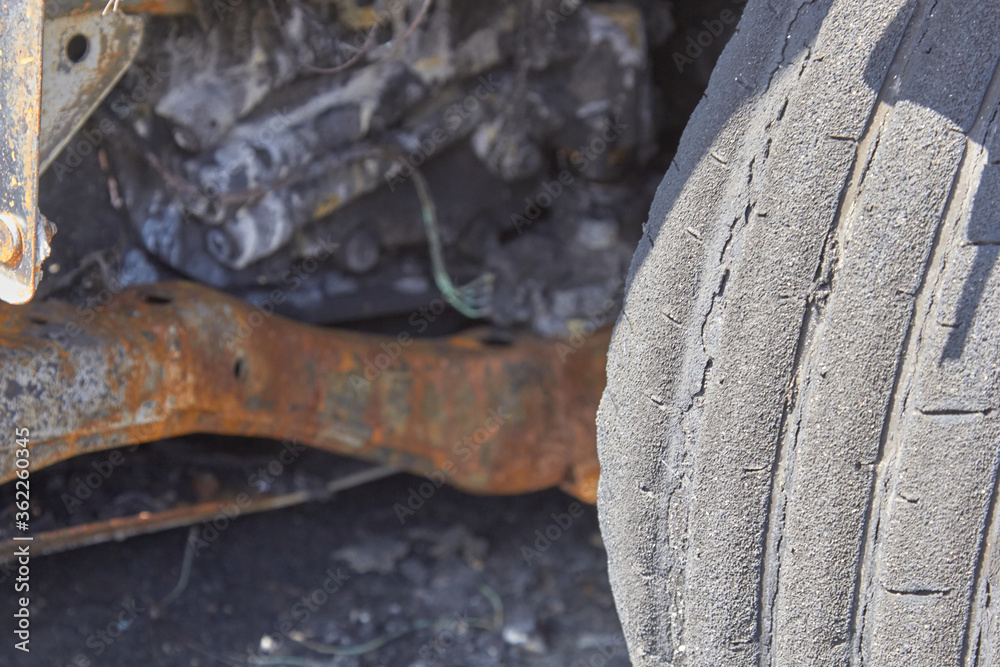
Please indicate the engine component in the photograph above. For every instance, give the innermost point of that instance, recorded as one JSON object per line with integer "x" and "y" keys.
{"x": 231, "y": 184}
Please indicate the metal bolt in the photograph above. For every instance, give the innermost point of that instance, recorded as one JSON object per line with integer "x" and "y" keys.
{"x": 361, "y": 251}
{"x": 186, "y": 139}
{"x": 11, "y": 245}
{"x": 221, "y": 246}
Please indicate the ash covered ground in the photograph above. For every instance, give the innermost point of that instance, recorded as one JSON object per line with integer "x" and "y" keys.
{"x": 378, "y": 575}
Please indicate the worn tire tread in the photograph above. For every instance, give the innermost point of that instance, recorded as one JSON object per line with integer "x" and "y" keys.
{"x": 805, "y": 374}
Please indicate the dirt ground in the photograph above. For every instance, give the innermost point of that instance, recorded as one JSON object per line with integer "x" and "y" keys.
{"x": 361, "y": 579}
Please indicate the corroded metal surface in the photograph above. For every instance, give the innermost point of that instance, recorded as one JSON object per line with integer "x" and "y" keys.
{"x": 159, "y": 7}
{"x": 57, "y": 8}
{"x": 177, "y": 358}
{"x": 20, "y": 86}
{"x": 83, "y": 56}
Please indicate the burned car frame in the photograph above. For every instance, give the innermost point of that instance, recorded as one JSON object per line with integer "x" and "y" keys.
{"x": 298, "y": 160}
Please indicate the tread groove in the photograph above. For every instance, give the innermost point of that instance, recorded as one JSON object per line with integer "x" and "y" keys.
{"x": 867, "y": 147}
{"x": 984, "y": 118}
{"x": 980, "y": 565}
{"x": 957, "y": 201}
{"x": 770, "y": 577}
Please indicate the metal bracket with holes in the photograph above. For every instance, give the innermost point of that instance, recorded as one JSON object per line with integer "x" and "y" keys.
{"x": 22, "y": 246}
{"x": 83, "y": 57}
{"x": 53, "y": 72}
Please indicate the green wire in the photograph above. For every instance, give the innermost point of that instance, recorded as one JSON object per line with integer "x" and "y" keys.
{"x": 453, "y": 295}
{"x": 379, "y": 642}
{"x": 367, "y": 647}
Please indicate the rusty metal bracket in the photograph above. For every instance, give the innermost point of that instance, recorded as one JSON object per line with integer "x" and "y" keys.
{"x": 53, "y": 73}
{"x": 178, "y": 358}
{"x": 55, "y": 8}
{"x": 24, "y": 234}
{"x": 84, "y": 56}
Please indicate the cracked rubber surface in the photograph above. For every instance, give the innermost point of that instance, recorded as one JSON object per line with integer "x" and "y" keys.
{"x": 799, "y": 438}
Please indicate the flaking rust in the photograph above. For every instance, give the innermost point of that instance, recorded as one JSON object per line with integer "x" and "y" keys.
{"x": 177, "y": 358}
{"x": 24, "y": 241}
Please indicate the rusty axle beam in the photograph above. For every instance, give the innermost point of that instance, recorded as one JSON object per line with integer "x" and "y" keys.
{"x": 177, "y": 358}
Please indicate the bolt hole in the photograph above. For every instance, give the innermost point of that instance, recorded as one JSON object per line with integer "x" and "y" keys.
{"x": 240, "y": 370}
{"x": 157, "y": 300}
{"x": 498, "y": 338}
{"x": 77, "y": 48}
{"x": 40, "y": 321}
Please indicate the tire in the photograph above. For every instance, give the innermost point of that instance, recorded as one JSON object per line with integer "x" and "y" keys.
{"x": 799, "y": 435}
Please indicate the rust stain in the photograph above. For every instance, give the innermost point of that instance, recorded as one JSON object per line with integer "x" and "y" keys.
{"x": 20, "y": 92}
{"x": 628, "y": 18}
{"x": 160, "y": 7}
{"x": 494, "y": 419}
{"x": 326, "y": 207}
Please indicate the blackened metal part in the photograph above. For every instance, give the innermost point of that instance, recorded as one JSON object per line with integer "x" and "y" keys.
{"x": 282, "y": 169}
{"x": 489, "y": 102}
{"x": 178, "y": 358}
{"x": 23, "y": 232}
{"x": 218, "y": 77}
{"x": 331, "y": 296}
{"x": 361, "y": 251}
{"x": 565, "y": 266}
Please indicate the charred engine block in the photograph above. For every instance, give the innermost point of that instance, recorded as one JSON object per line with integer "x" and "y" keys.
{"x": 365, "y": 160}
